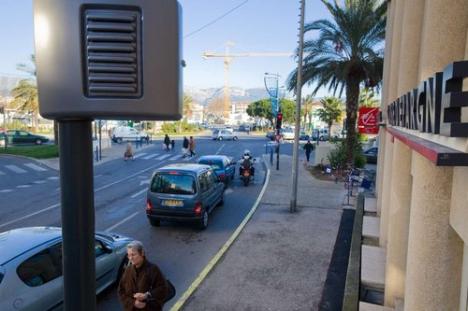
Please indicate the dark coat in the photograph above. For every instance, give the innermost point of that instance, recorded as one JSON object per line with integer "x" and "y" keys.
{"x": 308, "y": 147}
{"x": 148, "y": 278}
{"x": 185, "y": 144}
{"x": 167, "y": 140}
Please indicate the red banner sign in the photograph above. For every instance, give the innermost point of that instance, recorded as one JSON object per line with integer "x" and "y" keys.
{"x": 368, "y": 120}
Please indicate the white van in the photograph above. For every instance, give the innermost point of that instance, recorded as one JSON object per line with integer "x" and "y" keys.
{"x": 127, "y": 133}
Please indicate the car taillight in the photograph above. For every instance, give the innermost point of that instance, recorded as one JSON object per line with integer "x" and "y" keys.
{"x": 198, "y": 208}
{"x": 221, "y": 177}
{"x": 149, "y": 206}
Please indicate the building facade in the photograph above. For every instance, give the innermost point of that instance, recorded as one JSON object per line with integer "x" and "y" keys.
{"x": 422, "y": 178}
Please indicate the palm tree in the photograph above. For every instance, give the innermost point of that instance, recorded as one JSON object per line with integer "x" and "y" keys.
{"x": 331, "y": 111}
{"x": 367, "y": 98}
{"x": 25, "y": 98}
{"x": 347, "y": 54}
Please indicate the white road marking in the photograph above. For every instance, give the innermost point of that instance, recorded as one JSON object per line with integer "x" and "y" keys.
{"x": 220, "y": 148}
{"x": 97, "y": 176}
{"x": 144, "y": 182}
{"x": 40, "y": 182}
{"x": 23, "y": 186}
{"x": 121, "y": 222}
{"x": 176, "y": 157}
{"x": 29, "y": 215}
{"x": 5, "y": 190}
{"x": 164, "y": 156}
{"x": 35, "y": 167}
{"x": 95, "y": 190}
{"x": 150, "y": 156}
{"x": 53, "y": 178}
{"x": 228, "y": 191}
{"x": 15, "y": 169}
{"x": 138, "y": 193}
{"x": 139, "y": 155}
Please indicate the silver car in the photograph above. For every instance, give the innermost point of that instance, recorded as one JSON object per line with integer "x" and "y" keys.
{"x": 31, "y": 266}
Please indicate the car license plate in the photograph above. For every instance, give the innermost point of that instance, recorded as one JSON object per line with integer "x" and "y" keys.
{"x": 175, "y": 203}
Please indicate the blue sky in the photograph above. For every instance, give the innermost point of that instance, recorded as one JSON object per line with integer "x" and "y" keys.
{"x": 257, "y": 26}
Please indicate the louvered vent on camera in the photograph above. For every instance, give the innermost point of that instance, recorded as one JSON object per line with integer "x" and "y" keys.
{"x": 112, "y": 47}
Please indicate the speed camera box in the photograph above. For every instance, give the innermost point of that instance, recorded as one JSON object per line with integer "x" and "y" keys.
{"x": 109, "y": 59}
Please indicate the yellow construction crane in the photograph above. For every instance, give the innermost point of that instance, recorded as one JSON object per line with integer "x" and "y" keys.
{"x": 227, "y": 62}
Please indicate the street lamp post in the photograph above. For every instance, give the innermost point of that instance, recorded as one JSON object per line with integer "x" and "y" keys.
{"x": 293, "y": 202}
{"x": 274, "y": 96}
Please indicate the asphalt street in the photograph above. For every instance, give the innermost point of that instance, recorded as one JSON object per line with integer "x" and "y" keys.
{"x": 30, "y": 196}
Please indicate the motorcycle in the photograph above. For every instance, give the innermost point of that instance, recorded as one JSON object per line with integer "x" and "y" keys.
{"x": 246, "y": 175}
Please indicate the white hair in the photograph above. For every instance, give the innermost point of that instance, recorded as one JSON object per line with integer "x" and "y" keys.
{"x": 136, "y": 246}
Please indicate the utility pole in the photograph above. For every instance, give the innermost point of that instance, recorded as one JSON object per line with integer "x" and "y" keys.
{"x": 293, "y": 205}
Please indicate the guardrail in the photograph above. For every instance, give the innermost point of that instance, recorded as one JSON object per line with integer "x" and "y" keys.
{"x": 353, "y": 275}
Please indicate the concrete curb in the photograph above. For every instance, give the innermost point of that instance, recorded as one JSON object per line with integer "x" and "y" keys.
{"x": 213, "y": 262}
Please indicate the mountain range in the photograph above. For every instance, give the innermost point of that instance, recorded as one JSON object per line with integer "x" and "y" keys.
{"x": 206, "y": 95}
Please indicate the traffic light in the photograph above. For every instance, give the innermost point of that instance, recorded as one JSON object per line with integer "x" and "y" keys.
{"x": 279, "y": 120}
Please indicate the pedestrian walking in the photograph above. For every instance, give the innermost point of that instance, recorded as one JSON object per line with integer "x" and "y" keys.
{"x": 308, "y": 147}
{"x": 172, "y": 144}
{"x": 167, "y": 142}
{"x": 185, "y": 146}
{"x": 192, "y": 146}
{"x": 128, "y": 154}
{"x": 142, "y": 286}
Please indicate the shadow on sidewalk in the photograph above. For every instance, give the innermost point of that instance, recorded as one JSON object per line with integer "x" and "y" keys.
{"x": 333, "y": 290}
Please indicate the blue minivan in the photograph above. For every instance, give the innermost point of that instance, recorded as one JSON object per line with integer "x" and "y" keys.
{"x": 183, "y": 192}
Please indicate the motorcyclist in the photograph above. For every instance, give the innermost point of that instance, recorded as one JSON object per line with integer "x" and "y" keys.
{"x": 247, "y": 163}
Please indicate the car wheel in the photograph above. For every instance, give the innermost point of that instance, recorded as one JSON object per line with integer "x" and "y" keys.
{"x": 38, "y": 142}
{"x": 118, "y": 140}
{"x": 204, "y": 220}
{"x": 220, "y": 138}
{"x": 155, "y": 222}
{"x": 235, "y": 138}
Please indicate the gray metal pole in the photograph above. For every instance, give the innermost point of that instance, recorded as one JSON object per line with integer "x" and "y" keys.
{"x": 77, "y": 199}
{"x": 100, "y": 140}
{"x": 292, "y": 207}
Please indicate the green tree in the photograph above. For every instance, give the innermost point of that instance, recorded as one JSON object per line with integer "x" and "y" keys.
{"x": 25, "y": 99}
{"x": 347, "y": 54}
{"x": 331, "y": 111}
{"x": 262, "y": 109}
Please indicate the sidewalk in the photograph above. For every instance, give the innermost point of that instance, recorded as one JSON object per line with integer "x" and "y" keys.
{"x": 280, "y": 260}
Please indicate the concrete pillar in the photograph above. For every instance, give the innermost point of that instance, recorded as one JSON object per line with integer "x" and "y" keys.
{"x": 383, "y": 102}
{"x": 398, "y": 225}
{"x": 410, "y": 46}
{"x": 383, "y": 202}
{"x": 464, "y": 286}
{"x": 434, "y": 249}
{"x": 386, "y": 184}
{"x": 444, "y": 34}
{"x": 400, "y": 193}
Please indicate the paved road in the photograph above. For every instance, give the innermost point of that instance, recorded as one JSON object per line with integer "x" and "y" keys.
{"x": 181, "y": 250}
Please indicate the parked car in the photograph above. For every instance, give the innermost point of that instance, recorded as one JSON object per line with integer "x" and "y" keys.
{"x": 23, "y": 137}
{"x": 371, "y": 154}
{"x": 320, "y": 134}
{"x": 223, "y": 134}
{"x": 288, "y": 133}
{"x": 303, "y": 136}
{"x": 127, "y": 133}
{"x": 223, "y": 166}
{"x": 183, "y": 192}
{"x": 31, "y": 267}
